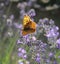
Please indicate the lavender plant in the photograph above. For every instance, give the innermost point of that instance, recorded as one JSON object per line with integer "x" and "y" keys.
{"x": 41, "y": 47}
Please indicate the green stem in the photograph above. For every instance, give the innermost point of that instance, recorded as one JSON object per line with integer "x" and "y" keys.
{"x": 9, "y": 50}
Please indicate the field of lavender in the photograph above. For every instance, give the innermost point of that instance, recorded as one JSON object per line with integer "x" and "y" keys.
{"x": 40, "y": 47}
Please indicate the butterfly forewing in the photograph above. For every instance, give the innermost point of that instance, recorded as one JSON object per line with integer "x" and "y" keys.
{"x": 26, "y": 20}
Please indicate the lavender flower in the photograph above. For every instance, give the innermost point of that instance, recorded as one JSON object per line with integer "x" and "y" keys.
{"x": 18, "y": 25}
{"x": 22, "y": 53}
{"x": 31, "y": 13}
{"x": 19, "y": 42}
{"x": 51, "y": 54}
{"x": 38, "y": 57}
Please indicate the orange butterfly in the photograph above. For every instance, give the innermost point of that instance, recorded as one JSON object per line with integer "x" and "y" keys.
{"x": 28, "y": 26}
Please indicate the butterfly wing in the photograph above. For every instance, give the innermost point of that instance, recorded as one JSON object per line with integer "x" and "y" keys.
{"x": 28, "y": 26}
{"x": 33, "y": 25}
{"x": 29, "y": 31}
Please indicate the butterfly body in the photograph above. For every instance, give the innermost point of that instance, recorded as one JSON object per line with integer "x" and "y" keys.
{"x": 28, "y": 26}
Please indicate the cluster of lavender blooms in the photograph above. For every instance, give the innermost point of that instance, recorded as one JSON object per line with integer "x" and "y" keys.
{"x": 41, "y": 45}
{"x": 50, "y": 30}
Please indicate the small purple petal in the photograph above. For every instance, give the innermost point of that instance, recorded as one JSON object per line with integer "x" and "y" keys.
{"x": 38, "y": 59}
{"x": 38, "y": 54}
{"x": 25, "y": 56}
{"x": 19, "y": 42}
{"x": 34, "y": 38}
{"x": 19, "y": 49}
{"x": 23, "y": 51}
{"x": 58, "y": 41}
{"x": 20, "y": 54}
{"x": 51, "y": 54}
{"x": 57, "y": 27}
{"x": 18, "y": 25}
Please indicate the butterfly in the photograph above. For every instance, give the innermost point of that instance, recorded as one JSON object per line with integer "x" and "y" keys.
{"x": 29, "y": 26}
